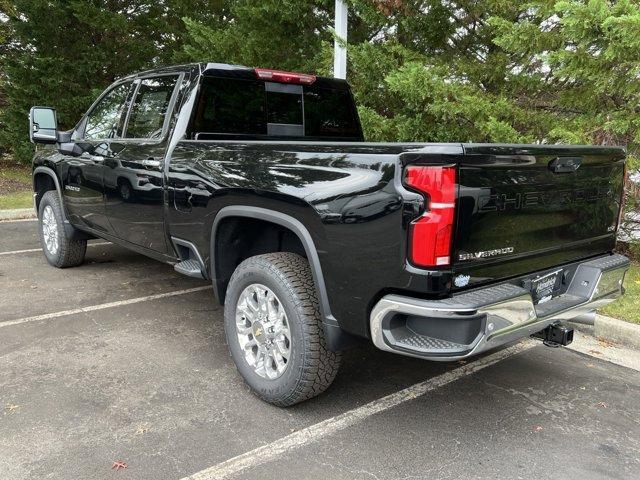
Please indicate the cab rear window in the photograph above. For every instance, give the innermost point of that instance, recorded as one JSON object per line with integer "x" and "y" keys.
{"x": 230, "y": 108}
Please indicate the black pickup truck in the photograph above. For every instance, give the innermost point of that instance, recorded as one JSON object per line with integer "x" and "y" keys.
{"x": 260, "y": 181}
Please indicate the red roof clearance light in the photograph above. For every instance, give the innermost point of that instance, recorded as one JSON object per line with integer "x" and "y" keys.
{"x": 431, "y": 234}
{"x": 284, "y": 77}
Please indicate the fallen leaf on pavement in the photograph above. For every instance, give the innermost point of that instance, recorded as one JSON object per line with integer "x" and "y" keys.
{"x": 119, "y": 465}
{"x": 595, "y": 352}
{"x": 602, "y": 404}
{"x": 11, "y": 407}
{"x": 605, "y": 343}
{"x": 537, "y": 428}
{"x": 142, "y": 429}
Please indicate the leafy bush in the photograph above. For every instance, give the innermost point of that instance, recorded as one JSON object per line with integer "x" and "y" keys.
{"x": 630, "y": 226}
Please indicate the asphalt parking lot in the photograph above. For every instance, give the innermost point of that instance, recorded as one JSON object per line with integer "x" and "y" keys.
{"x": 122, "y": 359}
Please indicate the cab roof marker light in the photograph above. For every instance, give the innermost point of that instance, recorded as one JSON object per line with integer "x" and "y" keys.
{"x": 284, "y": 77}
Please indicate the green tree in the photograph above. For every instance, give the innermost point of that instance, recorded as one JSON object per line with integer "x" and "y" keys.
{"x": 500, "y": 71}
{"x": 441, "y": 76}
{"x": 285, "y": 34}
{"x": 64, "y": 52}
{"x": 585, "y": 58}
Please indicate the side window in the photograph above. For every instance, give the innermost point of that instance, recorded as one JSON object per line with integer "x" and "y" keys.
{"x": 150, "y": 106}
{"x": 104, "y": 121}
{"x": 327, "y": 113}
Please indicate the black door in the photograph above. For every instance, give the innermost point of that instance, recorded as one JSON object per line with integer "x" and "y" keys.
{"x": 82, "y": 172}
{"x": 133, "y": 175}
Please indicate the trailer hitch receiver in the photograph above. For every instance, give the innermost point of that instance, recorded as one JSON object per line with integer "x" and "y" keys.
{"x": 555, "y": 335}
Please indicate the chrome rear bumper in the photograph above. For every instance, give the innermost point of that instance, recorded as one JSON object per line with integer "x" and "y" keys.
{"x": 478, "y": 320}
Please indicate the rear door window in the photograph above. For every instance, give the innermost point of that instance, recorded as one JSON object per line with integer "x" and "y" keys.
{"x": 150, "y": 107}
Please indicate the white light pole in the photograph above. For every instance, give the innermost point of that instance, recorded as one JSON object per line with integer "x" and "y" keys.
{"x": 339, "y": 46}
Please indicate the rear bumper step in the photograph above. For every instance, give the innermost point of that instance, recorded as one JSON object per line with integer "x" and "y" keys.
{"x": 472, "y": 322}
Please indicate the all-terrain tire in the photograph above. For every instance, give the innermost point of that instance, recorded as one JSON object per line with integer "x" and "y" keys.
{"x": 311, "y": 367}
{"x": 64, "y": 251}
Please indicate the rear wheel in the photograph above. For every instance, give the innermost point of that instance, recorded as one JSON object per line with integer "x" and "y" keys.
{"x": 274, "y": 329}
{"x": 59, "y": 248}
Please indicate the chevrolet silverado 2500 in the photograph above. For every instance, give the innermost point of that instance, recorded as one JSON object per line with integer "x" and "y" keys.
{"x": 260, "y": 181}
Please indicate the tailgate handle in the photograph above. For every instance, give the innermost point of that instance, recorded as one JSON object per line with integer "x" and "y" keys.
{"x": 565, "y": 164}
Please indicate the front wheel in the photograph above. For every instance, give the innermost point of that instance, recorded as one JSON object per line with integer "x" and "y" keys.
{"x": 125, "y": 190}
{"x": 274, "y": 329}
{"x": 59, "y": 248}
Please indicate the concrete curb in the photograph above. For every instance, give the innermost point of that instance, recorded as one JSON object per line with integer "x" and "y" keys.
{"x": 17, "y": 214}
{"x": 612, "y": 330}
{"x": 618, "y": 331}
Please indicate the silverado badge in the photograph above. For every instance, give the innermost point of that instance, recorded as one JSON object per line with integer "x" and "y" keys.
{"x": 486, "y": 254}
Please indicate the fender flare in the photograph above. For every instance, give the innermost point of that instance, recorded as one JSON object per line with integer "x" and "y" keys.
{"x": 52, "y": 174}
{"x": 337, "y": 338}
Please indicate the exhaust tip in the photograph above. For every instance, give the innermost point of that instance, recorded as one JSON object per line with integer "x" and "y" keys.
{"x": 585, "y": 319}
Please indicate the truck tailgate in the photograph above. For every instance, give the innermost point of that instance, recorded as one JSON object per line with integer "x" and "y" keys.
{"x": 527, "y": 208}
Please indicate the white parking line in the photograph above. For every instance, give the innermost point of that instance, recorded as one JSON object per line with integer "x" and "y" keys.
{"x": 16, "y": 252}
{"x": 20, "y": 220}
{"x": 269, "y": 452}
{"x": 102, "y": 306}
{"x": 31, "y": 250}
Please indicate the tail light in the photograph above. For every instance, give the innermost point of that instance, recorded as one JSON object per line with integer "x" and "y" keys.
{"x": 284, "y": 77}
{"x": 430, "y": 235}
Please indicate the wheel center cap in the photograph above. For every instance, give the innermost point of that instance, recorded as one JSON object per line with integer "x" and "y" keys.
{"x": 258, "y": 332}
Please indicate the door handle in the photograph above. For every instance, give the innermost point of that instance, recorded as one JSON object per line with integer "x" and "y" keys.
{"x": 151, "y": 162}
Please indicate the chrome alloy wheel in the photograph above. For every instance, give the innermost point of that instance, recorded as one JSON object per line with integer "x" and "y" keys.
{"x": 50, "y": 230}
{"x": 263, "y": 331}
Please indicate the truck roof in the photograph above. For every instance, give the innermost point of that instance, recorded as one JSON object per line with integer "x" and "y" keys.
{"x": 230, "y": 71}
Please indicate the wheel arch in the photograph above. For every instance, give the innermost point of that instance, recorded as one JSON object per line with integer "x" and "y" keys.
{"x": 336, "y": 337}
{"x": 43, "y": 179}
